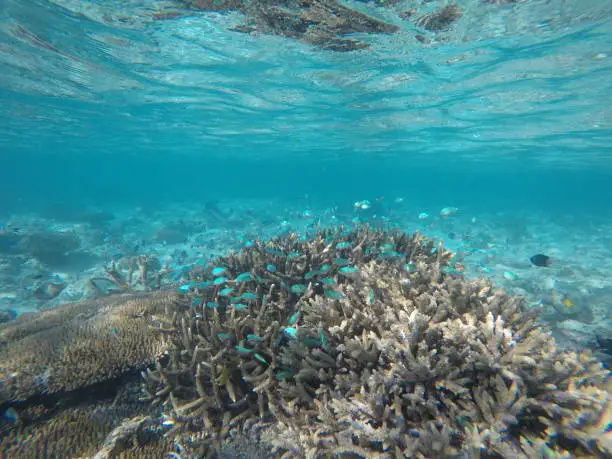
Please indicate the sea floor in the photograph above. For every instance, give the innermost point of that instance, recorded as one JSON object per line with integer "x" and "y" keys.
{"x": 64, "y": 254}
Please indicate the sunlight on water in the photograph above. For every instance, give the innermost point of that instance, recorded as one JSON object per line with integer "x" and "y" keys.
{"x": 523, "y": 81}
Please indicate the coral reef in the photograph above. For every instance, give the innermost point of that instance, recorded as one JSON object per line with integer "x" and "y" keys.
{"x": 79, "y": 344}
{"x": 359, "y": 343}
{"x": 342, "y": 343}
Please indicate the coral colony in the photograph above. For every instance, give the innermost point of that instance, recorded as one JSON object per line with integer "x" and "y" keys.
{"x": 346, "y": 343}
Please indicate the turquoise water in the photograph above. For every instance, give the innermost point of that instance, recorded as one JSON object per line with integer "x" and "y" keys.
{"x": 149, "y": 128}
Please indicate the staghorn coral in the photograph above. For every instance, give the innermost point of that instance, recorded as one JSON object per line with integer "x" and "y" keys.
{"x": 358, "y": 343}
{"x": 79, "y": 344}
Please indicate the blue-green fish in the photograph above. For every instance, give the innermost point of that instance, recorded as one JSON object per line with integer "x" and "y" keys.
{"x": 243, "y": 277}
{"x": 298, "y": 288}
{"x": 243, "y": 350}
{"x": 328, "y": 281}
{"x": 224, "y": 336}
{"x": 240, "y": 306}
{"x": 252, "y": 337}
{"x": 226, "y": 291}
{"x": 409, "y": 267}
{"x": 347, "y": 270}
{"x": 323, "y": 339}
{"x": 271, "y": 268}
{"x": 323, "y": 269}
{"x": 343, "y": 245}
{"x": 291, "y": 332}
{"x": 389, "y": 254}
{"x": 220, "y": 280}
{"x": 218, "y": 271}
{"x": 310, "y": 274}
{"x": 185, "y": 288}
{"x": 195, "y": 301}
{"x": 294, "y": 318}
{"x": 341, "y": 261}
{"x": 260, "y": 358}
{"x": 333, "y": 294}
{"x": 212, "y": 304}
{"x": 248, "y": 296}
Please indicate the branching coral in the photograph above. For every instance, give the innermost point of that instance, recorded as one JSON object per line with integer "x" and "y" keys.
{"x": 359, "y": 343}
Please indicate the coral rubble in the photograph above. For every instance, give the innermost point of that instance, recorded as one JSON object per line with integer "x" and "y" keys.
{"x": 345, "y": 343}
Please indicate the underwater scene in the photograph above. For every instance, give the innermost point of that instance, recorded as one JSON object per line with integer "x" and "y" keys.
{"x": 306, "y": 229}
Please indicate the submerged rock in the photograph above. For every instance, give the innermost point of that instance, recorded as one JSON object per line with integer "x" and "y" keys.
{"x": 324, "y": 23}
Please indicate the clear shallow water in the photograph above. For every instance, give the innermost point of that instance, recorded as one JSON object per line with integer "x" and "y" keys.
{"x": 145, "y": 129}
{"x": 509, "y": 108}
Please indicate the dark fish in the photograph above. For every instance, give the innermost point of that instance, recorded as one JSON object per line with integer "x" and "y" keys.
{"x": 541, "y": 260}
{"x": 604, "y": 344}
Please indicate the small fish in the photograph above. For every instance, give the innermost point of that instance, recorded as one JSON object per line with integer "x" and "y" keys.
{"x": 327, "y": 281}
{"x": 220, "y": 280}
{"x": 311, "y": 274}
{"x": 323, "y": 269}
{"x": 364, "y": 205}
{"x": 212, "y": 304}
{"x": 243, "y": 350}
{"x": 271, "y": 268}
{"x": 333, "y": 294}
{"x": 389, "y": 254}
{"x": 291, "y": 332}
{"x": 293, "y": 255}
{"x": 224, "y": 336}
{"x": 323, "y": 339}
{"x": 184, "y": 288}
{"x": 343, "y": 245}
{"x": 252, "y": 337}
{"x": 348, "y": 270}
{"x": 10, "y": 415}
{"x": 447, "y": 211}
{"x": 240, "y": 306}
{"x": 423, "y": 215}
{"x": 248, "y": 296}
{"x": 509, "y": 275}
{"x": 226, "y": 291}
{"x": 541, "y": 260}
{"x": 260, "y": 358}
{"x": 567, "y": 302}
{"x": 244, "y": 277}
{"x": 195, "y": 301}
{"x": 298, "y": 288}
{"x": 218, "y": 271}
{"x": 294, "y": 318}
